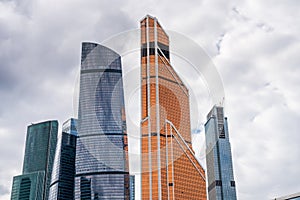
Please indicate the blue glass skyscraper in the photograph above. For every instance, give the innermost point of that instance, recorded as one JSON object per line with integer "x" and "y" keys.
{"x": 40, "y": 147}
{"x": 221, "y": 184}
{"x": 63, "y": 174}
{"x": 132, "y": 187}
{"x": 101, "y": 154}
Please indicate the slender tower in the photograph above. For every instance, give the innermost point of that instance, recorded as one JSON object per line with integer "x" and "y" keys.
{"x": 221, "y": 184}
{"x": 40, "y": 147}
{"x": 170, "y": 169}
{"x": 63, "y": 173}
{"x": 101, "y": 152}
{"x": 132, "y": 187}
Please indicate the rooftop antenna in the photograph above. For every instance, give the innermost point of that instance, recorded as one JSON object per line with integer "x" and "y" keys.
{"x": 221, "y": 103}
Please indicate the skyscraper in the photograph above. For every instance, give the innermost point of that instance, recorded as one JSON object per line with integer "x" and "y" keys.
{"x": 63, "y": 174}
{"x": 170, "y": 169}
{"x": 132, "y": 187}
{"x": 101, "y": 153}
{"x": 28, "y": 186}
{"x": 221, "y": 184}
{"x": 40, "y": 147}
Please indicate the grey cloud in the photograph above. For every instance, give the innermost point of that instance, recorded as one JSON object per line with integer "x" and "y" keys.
{"x": 44, "y": 49}
{"x": 259, "y": 24}
{"x": 264, "y": 151}
{"x": 8, "y": 79}
{"x": 239, "y": 14}
{"x": 256, "y": 68}
{"x": 40, "y": 57}
{"x": 219, "y": 42}
{"x": 3, "y": 190}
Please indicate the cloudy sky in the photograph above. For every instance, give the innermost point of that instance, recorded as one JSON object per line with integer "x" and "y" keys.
{"x": 254, "y": 45}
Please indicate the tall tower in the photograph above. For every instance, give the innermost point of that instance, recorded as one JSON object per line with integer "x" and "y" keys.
{"x": 132, "y": 187}
{"x": 169, "y": 167}
{"x": 101, "y": 153}
{"x": 40, "y": 147}
{"x": 63, "y": 174}
{"x": 221, "y": 184}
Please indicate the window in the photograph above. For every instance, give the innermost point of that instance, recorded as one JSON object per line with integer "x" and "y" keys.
{"x": 232, "y": 183}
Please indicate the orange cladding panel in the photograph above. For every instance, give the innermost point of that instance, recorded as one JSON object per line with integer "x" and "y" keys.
{"x": 170, "y": 169}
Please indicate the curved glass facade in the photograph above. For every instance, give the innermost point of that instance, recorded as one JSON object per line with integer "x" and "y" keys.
{"x": 62, "y": 180}
{"x": 101, "y": 154}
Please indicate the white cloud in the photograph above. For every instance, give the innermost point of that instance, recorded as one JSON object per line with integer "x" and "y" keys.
{"x": 259, "y": 67}
{"x": 257, "y": 59}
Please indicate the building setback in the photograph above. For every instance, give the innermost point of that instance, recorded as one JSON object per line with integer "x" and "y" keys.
{"x": 221, "y": 184}
{"x": 40, "y": 147}
{"x": 63, "y": 174}
{"x": 102, "y": 150}
{"x": 170, "y": 169}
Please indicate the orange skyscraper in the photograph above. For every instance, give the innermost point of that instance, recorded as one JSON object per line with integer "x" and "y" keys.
{"x": 170, "y": 169}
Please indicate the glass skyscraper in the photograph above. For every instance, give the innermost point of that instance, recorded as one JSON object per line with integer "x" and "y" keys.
{"x": 132, "y": 187}
{"x": 102, "y": 150}
{"x": 28, "y": 186}
{"x": 221, "y": 184}
{"x": 170, "y": 169}
{"x": 63, "y": 174}
{"x": 40, "y": 147}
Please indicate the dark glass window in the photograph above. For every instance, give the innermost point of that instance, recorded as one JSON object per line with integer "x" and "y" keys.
{"x": 25, "y": 189}
{"x": 232, "y": 183}
{"x": 85, "y": 188}
{"x": 218, "y": 183}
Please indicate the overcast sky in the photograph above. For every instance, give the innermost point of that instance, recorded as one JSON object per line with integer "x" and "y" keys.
{"x": 254, "y": 45}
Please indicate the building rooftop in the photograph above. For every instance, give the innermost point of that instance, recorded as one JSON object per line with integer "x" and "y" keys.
{"x": 291, "y": 196}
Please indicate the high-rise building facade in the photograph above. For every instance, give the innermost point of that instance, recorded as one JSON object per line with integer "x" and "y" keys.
{"x": 28, "y": 186}
{"x": 132, "y": 187}
{"x": 101, "y": 153}
{"x": 221, "y": 184}
{"x": 170, "y": 169}
{"x": 40, "y": 147}
{"x": 63, "y": 174}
